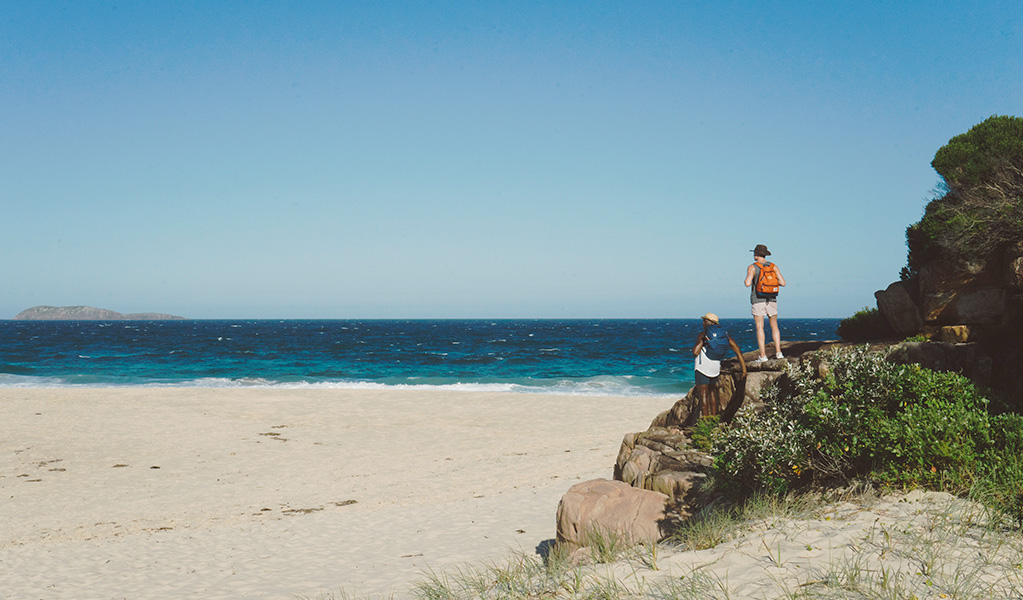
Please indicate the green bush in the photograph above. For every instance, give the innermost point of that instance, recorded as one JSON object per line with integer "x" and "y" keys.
{"x": 867, "y": 324}
{"x": 1000, "y": 476}
{"x": 705, "y": 431}
{"x": 900, "y": 425}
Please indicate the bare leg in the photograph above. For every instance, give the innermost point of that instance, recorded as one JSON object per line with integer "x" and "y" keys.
{"x": 705, "y": 406}
{"x": 759, "y": 321}
{"x": 775, "y": 335}
{"x": 701, "y": 399}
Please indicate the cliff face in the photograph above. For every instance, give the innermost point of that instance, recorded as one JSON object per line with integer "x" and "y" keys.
{"x": 959, "y": 303}
{"x": 85, "y": 313}
{"x": 981, "y": 297}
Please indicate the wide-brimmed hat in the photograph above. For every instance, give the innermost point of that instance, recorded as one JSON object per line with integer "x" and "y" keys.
{"x": 761, "y": 250}
{"x": 711, "y": 317}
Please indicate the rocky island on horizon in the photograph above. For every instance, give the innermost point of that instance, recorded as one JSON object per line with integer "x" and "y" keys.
{"x": 86, "y": 313}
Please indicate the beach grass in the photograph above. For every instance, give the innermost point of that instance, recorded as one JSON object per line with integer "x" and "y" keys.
{"x": 918, "y": 546}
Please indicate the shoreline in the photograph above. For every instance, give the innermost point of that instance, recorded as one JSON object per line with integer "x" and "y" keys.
{"x": 277, "y": 493}
{"x": 454, "y": 388}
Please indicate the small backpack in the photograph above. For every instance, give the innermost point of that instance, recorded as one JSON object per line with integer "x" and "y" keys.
{"x": 716, "y": 345}
{"x": 767, "y": 282}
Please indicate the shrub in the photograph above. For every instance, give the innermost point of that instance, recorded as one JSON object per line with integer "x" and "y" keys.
{"x": 867, "y": 324}
{"x": 705, "y": 431}
{"x": 900, "y": 425}
{"x": 1000, "y": 478}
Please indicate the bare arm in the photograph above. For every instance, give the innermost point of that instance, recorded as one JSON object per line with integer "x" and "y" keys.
{"x": 781, "y": 280}
{"x": 738, "y": 354}
{"x": 749, "y": 276}
{"x": 698, "y": 346}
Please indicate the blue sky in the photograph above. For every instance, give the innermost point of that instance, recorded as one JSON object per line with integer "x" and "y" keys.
{"x": 503, "y": 159}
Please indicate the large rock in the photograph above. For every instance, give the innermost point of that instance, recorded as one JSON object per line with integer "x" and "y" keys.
{"x": 756, "y": 383}
{"x": 661, "y": 459}
{"x": 961, "y": 293}
{"x": 967, "y": 359}
{"x": 981, "y": 306}
{"x": 601, "y": 507}
{"x": 898, "y": 308}
{"x": 721, "y": 394}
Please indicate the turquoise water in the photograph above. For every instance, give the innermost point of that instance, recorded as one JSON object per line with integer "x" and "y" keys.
{"x": 592, "y": 357}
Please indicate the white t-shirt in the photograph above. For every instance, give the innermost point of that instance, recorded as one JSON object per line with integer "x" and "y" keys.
{"x": 707, "y": 366}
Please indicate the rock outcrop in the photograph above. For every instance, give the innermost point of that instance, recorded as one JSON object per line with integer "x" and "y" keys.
{"x": 966, "y": 303}
{"x": 663, "y": 459}
{"x": 899, "y": 309}
{"x": 86, "y": 313}
{"x": 610, "y": 509}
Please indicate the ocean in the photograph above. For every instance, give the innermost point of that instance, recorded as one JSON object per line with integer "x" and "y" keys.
{"x": 604, "y": 357}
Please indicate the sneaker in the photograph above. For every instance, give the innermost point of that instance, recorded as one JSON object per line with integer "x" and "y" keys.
{"x": 762, "y": 359}
{"x": 779, "y": 355}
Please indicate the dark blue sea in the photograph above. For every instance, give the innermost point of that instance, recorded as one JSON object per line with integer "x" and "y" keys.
{"x": 605, "y": 357}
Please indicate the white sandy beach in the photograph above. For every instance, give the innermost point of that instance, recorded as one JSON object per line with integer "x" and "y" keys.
{"x": 162, "y": 493}
{"x": 277, "y": 493}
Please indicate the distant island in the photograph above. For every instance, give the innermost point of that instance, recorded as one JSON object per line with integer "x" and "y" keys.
{"x": 86, "y": 313}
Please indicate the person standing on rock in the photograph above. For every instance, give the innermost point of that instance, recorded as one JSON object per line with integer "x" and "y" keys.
{"x": 764, "y": 280}
{"x": 711, "y": 347}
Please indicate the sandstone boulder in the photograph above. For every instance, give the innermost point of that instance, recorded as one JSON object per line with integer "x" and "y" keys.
{"x": 955, "y": 334}
{"x": 898, "y": 308}
{"x": 757, "y": 382}
{"x": 961, "y": 293}
{"x": 969, "y": 359}
{"x": 981, "y": 306}
{"x": 610, "y": 508}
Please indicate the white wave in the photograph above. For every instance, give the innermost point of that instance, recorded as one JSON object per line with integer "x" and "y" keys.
{"x": 25, "y": 381}
{"x": 596, "y": 386}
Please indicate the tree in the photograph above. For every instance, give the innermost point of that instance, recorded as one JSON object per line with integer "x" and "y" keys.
{"x": 979, "y": 211}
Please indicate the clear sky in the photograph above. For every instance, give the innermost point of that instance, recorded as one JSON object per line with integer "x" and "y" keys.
{"x": 497, "y": 159}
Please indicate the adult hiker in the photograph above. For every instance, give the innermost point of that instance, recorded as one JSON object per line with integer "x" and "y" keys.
{"x": 711, "y": 347}
{"x": 764, "y": 280}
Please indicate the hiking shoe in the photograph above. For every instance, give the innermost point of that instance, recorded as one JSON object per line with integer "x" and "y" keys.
{"x": 762, "y": 359}
{"x": 779, "y": 355}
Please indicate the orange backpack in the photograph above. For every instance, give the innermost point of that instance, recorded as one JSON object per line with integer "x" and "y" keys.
{"x": 767, "y": 283}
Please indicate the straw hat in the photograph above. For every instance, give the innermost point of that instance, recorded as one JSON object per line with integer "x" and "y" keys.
{"x": 711, "y": 317}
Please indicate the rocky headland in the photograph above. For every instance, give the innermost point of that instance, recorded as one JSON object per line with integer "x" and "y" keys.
{"x": 975, "y": 311}
{"x": 659, "y": 473}
{"x": 86, "y": 313}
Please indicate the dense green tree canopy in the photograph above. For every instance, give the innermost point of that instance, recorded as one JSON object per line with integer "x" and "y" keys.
{"x": 980, "y": 211}
{"x": 983, "y": 154}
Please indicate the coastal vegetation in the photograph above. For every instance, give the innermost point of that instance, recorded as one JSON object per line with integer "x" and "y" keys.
{"x": 942, "y": 548}
{"x": 977, "y": 211}
{"x": 855, "y": 415}
{"x": 866, "y": 324}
